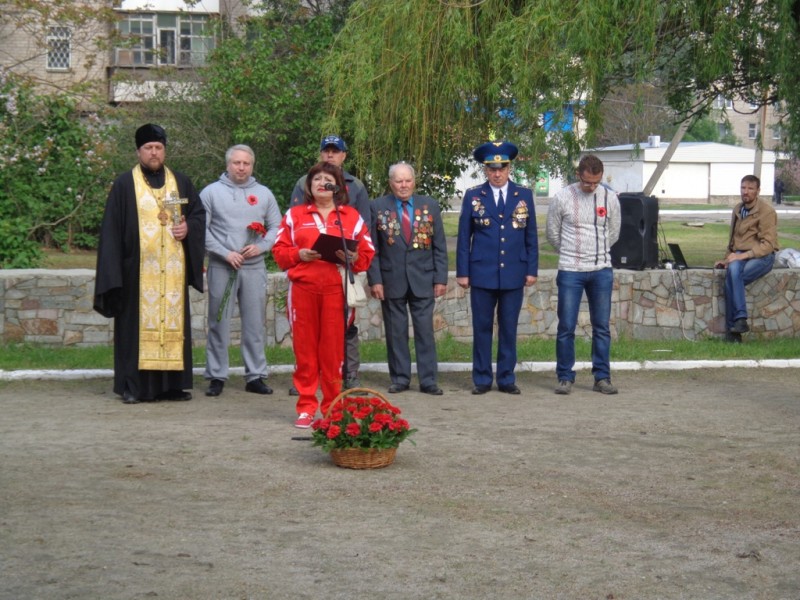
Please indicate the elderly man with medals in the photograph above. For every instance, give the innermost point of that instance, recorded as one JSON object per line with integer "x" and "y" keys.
{"x": 497, "y": 256}
{"x": 152, "y": 245}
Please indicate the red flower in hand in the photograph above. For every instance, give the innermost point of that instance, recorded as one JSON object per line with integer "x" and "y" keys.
{"x": 252, "y": 200}
{"x": 257, "y": 227}
{"x": 254, "y": 230}
{"x": 601, "y": 211}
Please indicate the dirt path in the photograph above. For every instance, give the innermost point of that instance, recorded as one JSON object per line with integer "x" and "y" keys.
{"x": 685, "y": 485}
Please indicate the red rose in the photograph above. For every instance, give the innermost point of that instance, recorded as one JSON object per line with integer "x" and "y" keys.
{"x": 601, "y": 212}
{"x": 252, "y": 200}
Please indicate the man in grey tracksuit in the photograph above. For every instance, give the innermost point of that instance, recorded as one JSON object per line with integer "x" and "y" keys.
{"x": 235, "y": 205}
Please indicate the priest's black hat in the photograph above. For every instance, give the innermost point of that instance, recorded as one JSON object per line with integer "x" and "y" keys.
{"x": 150, "y": 133}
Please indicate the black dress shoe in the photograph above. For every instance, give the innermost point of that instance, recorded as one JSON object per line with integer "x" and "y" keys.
{"x": 511, "y": 388}
{"x": 740, "y": 326}
{"x": 733, "y": 338}
{"x": 433, "y": 390}
{"x": 396, "y": 388}
{"x": 293, "y": 391}
{"x": 128, "y": 398}
{"x": 176, "y": 395}
{"x": 215, "y": 387}
{"x": 480, "y": 389}
{"x": 257, "y": 386}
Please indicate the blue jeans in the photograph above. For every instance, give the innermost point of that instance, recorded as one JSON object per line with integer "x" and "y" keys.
{"x": 571, "y": 286}
{"x": 738, "y": 274}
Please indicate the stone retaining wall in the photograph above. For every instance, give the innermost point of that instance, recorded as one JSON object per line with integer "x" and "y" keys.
{"x": 55, "y": 307}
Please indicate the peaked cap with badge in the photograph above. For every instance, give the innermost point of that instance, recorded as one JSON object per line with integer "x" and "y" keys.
{"x": 495, "y": 154}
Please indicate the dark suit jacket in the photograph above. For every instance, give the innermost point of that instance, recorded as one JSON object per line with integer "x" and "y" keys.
{"x": 399, "y": 266}
{"x": 495, "y": 253}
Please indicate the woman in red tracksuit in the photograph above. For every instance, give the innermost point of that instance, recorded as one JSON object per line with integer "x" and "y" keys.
{"x": 316, "y": 298}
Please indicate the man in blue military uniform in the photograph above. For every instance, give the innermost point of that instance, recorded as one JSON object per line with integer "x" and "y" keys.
{"x": 497, "y": 256}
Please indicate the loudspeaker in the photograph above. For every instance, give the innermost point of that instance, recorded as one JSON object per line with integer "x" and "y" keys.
{"x": 637, "y": 247}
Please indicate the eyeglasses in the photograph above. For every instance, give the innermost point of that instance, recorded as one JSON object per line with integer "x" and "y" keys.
{"x": 590, "y": 184}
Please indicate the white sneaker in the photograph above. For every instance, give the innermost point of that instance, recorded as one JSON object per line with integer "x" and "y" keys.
{"x": 304, "y": 421}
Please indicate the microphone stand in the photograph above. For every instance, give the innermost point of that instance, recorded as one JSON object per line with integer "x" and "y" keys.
{"x": 348, "y": 280}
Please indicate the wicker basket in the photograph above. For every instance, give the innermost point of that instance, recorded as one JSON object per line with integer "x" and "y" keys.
{"x": 361, "y": 458}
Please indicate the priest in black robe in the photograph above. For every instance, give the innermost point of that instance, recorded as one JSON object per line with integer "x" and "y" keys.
{"x": 151, "y": 249}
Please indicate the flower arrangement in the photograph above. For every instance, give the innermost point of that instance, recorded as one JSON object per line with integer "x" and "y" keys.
{"x": 255, "y": 229}
{"x": 361, "y": 422}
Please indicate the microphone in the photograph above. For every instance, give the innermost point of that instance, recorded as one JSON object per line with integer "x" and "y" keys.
{"x": 331, "y": 187}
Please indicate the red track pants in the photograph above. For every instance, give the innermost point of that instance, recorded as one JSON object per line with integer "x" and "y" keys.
{"x": 317, "y": 320}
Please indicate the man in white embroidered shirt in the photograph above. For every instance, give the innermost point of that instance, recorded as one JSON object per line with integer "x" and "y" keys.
{"x": 583, "y": 222}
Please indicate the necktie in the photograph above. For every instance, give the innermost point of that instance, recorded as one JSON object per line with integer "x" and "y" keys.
{"x": 501, "y": 205}
{"x": 406, "y": 223}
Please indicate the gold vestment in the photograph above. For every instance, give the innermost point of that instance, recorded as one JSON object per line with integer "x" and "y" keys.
{"x": 162, "y": 278}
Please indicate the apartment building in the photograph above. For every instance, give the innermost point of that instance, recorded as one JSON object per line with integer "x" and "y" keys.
{"x": 747, "y": 121}
{"x": 121, "y": 51}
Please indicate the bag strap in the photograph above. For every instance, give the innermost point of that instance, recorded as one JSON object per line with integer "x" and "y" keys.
{"x": 320, "y": 224}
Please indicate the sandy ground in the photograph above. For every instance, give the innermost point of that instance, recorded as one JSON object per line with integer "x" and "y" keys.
{"x": 685, "y": 485}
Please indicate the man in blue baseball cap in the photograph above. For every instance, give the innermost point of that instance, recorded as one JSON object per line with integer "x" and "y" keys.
{"x": 333, "y": 150}
{"x": 497, "y": 256}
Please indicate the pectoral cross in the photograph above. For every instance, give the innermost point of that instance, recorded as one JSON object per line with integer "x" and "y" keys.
{"x": 173, "y": 201}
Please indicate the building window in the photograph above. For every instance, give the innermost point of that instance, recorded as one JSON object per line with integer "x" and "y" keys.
{"x": 777, "y": 132}
{"x": 164, "y": 39}
{"x": 721, "y": 102}
{"x": 752, "y": 131}
{"x": 723, "y": 129}
{"x": 59, "y": 48}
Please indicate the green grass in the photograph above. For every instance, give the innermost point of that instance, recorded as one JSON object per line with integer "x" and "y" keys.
{"x": 27, "y": 356}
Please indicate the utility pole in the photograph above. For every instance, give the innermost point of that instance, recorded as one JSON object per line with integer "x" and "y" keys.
{"x": 662, "y": 164}
{"x": 760, "y": 142}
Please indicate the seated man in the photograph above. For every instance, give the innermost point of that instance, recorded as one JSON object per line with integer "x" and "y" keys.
{"x": 751, "y": 253}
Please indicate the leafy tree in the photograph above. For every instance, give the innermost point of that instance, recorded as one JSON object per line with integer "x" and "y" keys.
{"x": 434, "y": 78}
{"x": 631, "y": 113}
{"x": 53, "y": 177}
{"x": 266, "y": 88}
{"x": 705, "y": 129}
